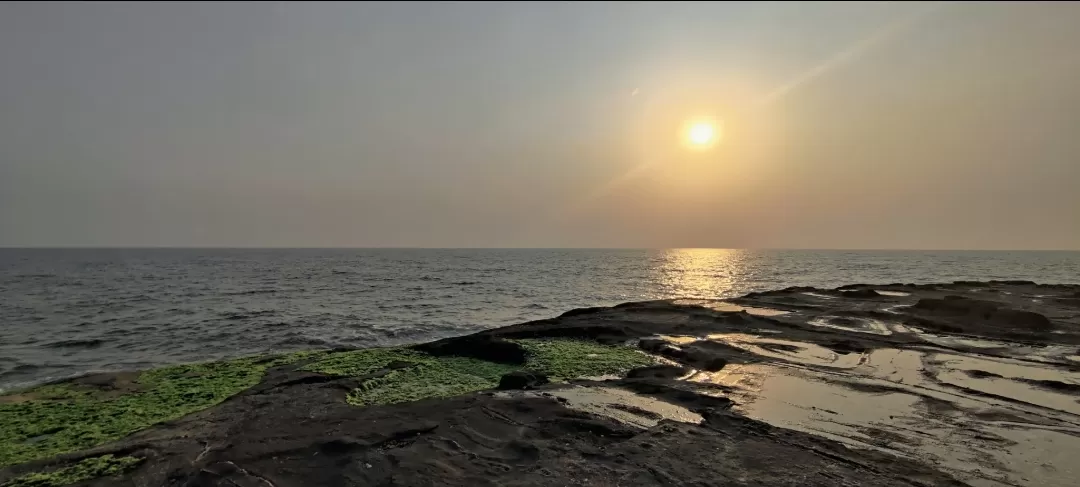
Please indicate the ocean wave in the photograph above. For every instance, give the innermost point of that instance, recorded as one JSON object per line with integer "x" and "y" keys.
{"x": 77, "y": 343}
{"x": 251, "y": 292}
{"x": 243, "y": 315}
{"x": 300, "y": 340}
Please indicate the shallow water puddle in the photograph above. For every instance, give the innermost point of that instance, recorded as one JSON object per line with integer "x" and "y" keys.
{"x": 900, "y": 328}
{"x": 730, "y": 307}
{"x": 800, "y": 400}
{"x": 866, "y": 413}
{"x": 921, "y": 403}
{"x": 854, "y": 324}
{"x": 818, "y": 295}
{"x": 1008, "y": 379}
{"x": 893, "y": 365}
{"x": 789, "y": 350}
{"x": 1047, "y": 457}
{"x": 1047, "y": 354}
{"x": 893, "y": 309}
{"x": 892, "y": 293}
{"x": 904, "y": 402}
{"x": 624, "y": 406}
{"x": 678, "y": 340}
{"x": 953, "y": 341}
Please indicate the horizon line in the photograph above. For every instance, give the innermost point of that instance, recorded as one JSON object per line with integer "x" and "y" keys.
{"x": 816, "y": 249}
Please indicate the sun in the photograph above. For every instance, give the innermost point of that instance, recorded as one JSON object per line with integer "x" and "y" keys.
{"x": 701, "y": 133}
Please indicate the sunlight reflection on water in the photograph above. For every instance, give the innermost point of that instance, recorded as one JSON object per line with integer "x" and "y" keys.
{"x": 703, "y": 273}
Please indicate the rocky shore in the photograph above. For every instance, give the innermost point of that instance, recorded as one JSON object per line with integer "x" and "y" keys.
{"x": 968, "y": 383}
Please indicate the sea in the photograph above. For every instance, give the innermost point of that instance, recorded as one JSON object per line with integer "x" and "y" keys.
{"x": 66, "y": 312}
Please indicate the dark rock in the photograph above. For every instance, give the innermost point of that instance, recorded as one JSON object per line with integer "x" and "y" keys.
{"x": 780, "y": 347}
{"x": 956, "y": 306}
{"x": 658, "y": 372}
{"x": 704, "y": 359}
{"x": 1025, "y": 319}
{"x": 336, "y": 446}
{"x": 582, "y": 311}
{"x": 860, "y": 293}
{"x": 477, "y": 346}
{"x": 846, "y": 346}
{"x": 653, "y": 345}
{"x": 975, "y": 312}
{"x": 522, "y": 380}
{"x": 399, "y": 364}
{"x": 694, "y": 356}
{"x": 982, "y": 374}
{"x": 1054, "y": 385}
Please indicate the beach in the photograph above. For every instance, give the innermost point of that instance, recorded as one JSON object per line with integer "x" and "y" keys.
{"x": 935, "y": 384}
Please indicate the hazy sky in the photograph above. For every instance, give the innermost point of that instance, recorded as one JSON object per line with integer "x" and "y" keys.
{"x": 845, "y": 125}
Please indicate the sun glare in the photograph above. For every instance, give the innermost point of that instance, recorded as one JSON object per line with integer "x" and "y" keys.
{"x": 701, "y": 134}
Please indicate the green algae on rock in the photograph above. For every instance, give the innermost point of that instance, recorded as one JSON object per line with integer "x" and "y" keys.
{"x": 425, "y": 376}
{"x": 569, "y": 359}
{"x": 72, "y": 416}
{"x": 363, "y": 362}
{"x": 87, "y": 469}
{"x": 429, "y": 376}
{"x": 433, "y": 378}
{"x": 77, "y": 415}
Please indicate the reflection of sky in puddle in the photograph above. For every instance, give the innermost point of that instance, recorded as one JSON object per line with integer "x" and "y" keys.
{"x": 899, "y": 366}
{"x": 952, "y": 371}
{"x": 861, "y": 325}
{"x": 899, "y": 328}
{"x": 795, "y": 399}
{"x": 899, "y": 422}
{"x": 730, "y": 307}
{"x": 1048, "y": 457}
{"x": 1045, "y": 354}
{"x": 894, "y": 309}
{"x": 950, "y": 341}
{"x": 892, "y": 293}
{"x": 612, "y": 402}
{"x": 819, "y": 295}
{"x": 678, "y": 340}
{"x": 891, "y": 400}
{"x": 789, "y": 350}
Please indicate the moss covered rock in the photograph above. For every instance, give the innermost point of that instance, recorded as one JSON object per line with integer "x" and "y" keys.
{"x": 88, "y": 469}
{"x": 432, "y": 376}
{"x": 81, "y": 414}
{"x": 72, "y": 416}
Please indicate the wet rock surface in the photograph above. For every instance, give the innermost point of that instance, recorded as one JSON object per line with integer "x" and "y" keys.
{"x": 522, "y": 380}
{"x": 875, "y": 385}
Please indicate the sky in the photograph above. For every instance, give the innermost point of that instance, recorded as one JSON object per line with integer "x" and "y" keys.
{"x": 878, "y": 125}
